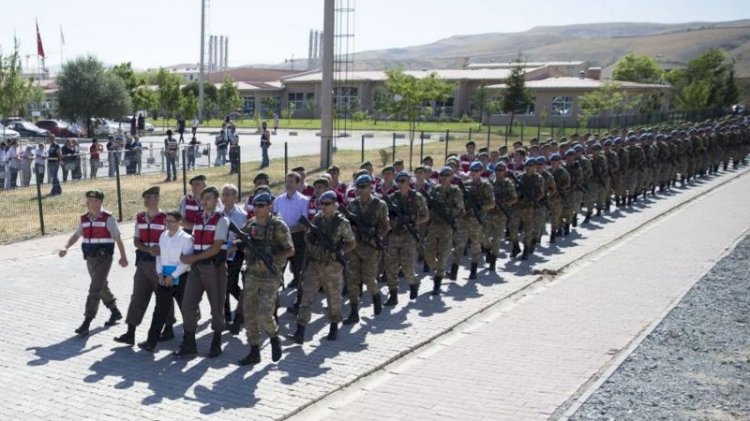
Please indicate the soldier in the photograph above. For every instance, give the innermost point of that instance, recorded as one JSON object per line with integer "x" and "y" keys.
{"x": 446, "y": 206}
{"x": 149, "y": 226}
{"x": 613, "y": 171}
{"x": 620, "y": 180}
{"x": 100, "y": 233}
{"x": 637, "y": 160}
{"x": 230, "y": 195}
{"x": 599, "y": 182}
{"x": 530, "y": 192}
{"x": 332, "y": 234}
{"x": 371, "y": 226}
{"x": 589, "y": 188}
{"x": 190, "y": 204}
{"x": 562, "y": 201}
{"x": 408, "y": 208}
{"x": 270, "y": 235}
{"x": 545, "y": 206}
{"x": 261, "y": 179}
{"x": 207, "y": 265}
{"x": 478, "y": 200}
{"x": 505, "y": 199}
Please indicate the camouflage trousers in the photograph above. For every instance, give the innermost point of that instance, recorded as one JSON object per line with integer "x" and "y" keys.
{"x": 541, "y": 216}
{"x": 363, "y": 269}
{"x": 259, "y": 303}
{"x": 618, "y": 184}
{"x": 439, "y": 243}
{"x": 497, "y": 223}
{"x": 525, "y": 215}
{"x": 574, "y": 203}
{"x": 589, "y": 198}
{"x": 602, "y": 193}
{"x": 459, "y": 242}
{"x": 329, "y": 277}
{"x": 471, "y": 231}
{"x": 555, "y": 212}
{"x": 632, "y": 182}
{"x": 400, "y": 254}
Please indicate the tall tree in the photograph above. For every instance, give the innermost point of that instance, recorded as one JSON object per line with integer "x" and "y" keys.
{"x": 210, "y": 97}
{"x": 189, "y": 105}
{"x": 169, "y": 93}
{"x": 707, "y": 80}
{"x": 87, "y": 90}
{"x": 15, "y": 90}
{"x": 485, "y": 104}
{"x": 516, "y": 97}
{"x": 639, "y": 69}
{"x": 610, "y": 99}
{"x": 229, "y": 97}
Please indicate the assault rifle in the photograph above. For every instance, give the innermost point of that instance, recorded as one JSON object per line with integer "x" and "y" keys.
{"x": 475, "y": 208}
{"x": 439, "y": 211}
{"x": 324, "y": 240}
{"x": 402, "y": 218}
{"x": 499, "y": 204}
{"x": 356, "y": 220}
{"x": 248, "y": 243}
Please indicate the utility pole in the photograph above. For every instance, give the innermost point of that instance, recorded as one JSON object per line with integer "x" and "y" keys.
{"x": 326, "y": 87}
{"x": 202, "y": 75}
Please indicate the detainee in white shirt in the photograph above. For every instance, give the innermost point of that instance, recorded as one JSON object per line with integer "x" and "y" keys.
{"x": 173, "y": 243}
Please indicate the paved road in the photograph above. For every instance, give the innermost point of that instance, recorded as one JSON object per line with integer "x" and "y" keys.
{"x": 70, "y": 377}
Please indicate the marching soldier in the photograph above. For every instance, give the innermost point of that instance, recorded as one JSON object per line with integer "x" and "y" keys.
{"x": 478, "y": 200}
{"x": 100, "y": 233}
{"x": 613, "y": 171}
{"x": 561, "y": 203}
{"x": 550, "y": 203}
{"x": 530, "y": 192}
{"x": 599, "y": 182}
{"x": 505, "y": 200}
{"x": 620, "y": 181}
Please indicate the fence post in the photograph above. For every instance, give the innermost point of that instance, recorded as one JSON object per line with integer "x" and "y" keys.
{"x": 469, "y": 133}
{"x": 39, "y": 202}
{"x": 184, "y": 174}
{"x": 239, "y": 172}
{"x": 446, "y": 144}
{"x": 394, "y": 147}
{"x": 421, "y": 146}
{"x": 539, "y": 131}
{"x": 488, "y": 135}
{"x": 286, "y": 158}
{"x": 522, "y": 130}
{"x": 119, "y": 190}
{"x": 362, "y": 150}
{"x": 209, "y": 155}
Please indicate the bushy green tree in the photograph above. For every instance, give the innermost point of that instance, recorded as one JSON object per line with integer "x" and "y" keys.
{"x": 228, "y": 97}
{"x": 639, "y": 69}
{"x": 516, "y": 97}
{"x": 16, "y": 92}
{"x": 169, "y": 93}
{"x": 706, "y": 82}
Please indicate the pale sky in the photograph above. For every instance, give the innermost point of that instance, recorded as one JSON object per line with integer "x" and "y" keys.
{"x": 152, "y": 33}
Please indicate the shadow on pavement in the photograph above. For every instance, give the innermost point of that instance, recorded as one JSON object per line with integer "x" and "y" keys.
{"x": 69, "y": 348}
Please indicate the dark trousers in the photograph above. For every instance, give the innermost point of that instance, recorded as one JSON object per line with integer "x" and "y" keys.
{"x": 298, "y": 239}
{"x": 233, "y": 282}
{"x": 165, "y": 307}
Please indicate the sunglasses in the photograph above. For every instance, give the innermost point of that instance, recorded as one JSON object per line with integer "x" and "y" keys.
{"x": 479, "y": 170}
{"x": 326, "y": 203}
{"x": 261, "y": 205}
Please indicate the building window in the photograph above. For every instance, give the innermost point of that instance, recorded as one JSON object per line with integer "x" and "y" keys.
{"x": 562, "y": 105}
{"x": 296, "y": 99}
{"x": 443, "y": 108}
{"x": 345, "y": 98}
{"x": 248, "y": 105}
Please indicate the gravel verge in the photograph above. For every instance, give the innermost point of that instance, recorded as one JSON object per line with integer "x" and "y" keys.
{"x": 696, "y": 364}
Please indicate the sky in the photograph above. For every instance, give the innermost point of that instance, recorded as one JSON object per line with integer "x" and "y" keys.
{"x": 153, "y": 33}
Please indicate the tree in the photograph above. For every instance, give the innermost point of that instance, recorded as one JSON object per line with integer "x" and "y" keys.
{"x": 708, "y": 80}
{"x": 485, "y": 104}
{"x": 141, "y": 96}
{"x": 210, "y": 96}
{"x": 145, "y": 98}
{"x": 609, "y": 99}
{"x": 268, "y": 104}
{"x": 228, "y": 97}
{"x": 16, "y": 92}
{"x": 288, "y": 112}
{"x": 86, "y": 89}
{"x": 169, "y": 93}
{"x": 639, "y": 69}
{"x": 407, "y": 95}
{"x": 516, "y": 97}
{"x": 189, "y": 105}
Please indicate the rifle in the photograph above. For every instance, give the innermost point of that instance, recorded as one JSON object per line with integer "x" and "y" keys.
{"x": 247, "y": 242}
{"x": 402, "y": 218}
{"x": 500, "y": 205}
{"x": 324, "y": 239}
{"x": 475, "y": 208}
{"x": 439, "y": 211}
{"x": 361, "y": 228}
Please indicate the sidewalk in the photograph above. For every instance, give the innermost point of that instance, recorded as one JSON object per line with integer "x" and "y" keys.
{"x": 70, "y": 377}
{"x": 527, "y": 360}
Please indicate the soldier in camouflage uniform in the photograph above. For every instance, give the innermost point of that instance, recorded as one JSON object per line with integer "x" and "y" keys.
{"x": 530, "y": 192}
{"x": 560, "y": 218}
{"x": 550, "y": 206}
{"x": 664, "y": 158}
{"x": 573, "y": 166}
{"x": 637, "y": 158}
{"x": 322, "y": 269}
{"x": 446, "y": 206}
{"x": 621, "y": 180}
{"x": 613, "y": 170}
{"x": 480, "y": 192}
{"x": 599, "y": 183}
{"x": 270, "y": 235}
{"x": 423, "y": 185}
{"x": 505, "y": 206}
{"x": 402, "y": 246}
{"x": 589, "y": 188}
{"x": 372, "y": 214}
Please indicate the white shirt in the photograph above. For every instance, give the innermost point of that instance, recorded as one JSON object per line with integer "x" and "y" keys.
{"x": 291, "y": 208}
{"x": 40, "y": 156}
{"x": 171, "y": 247}
{"x": 195, "y": 122}
{"x": 12, "y": 157}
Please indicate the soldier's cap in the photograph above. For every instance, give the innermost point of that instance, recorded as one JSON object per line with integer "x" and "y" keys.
{"x": 365, "y": 164}
{"x": 483, "y": 155}
{"x": 540, "y": 160}
{"x": 321, "y": 180}
{"x": 596, "y": 146}
{"x": 555, "y": 157}
{"x": 199, "y": 177}
{"x": 422, "y": 168}
{"x": 483, "y": 149}
{"x": 470, "y": 143}
{"x": 578, "y": 147}
{"x": 563, "y": 139}
{"x": 618, "y": 140}
{"x": 403, "y": 174}
{"x": 608, "y": 142}
{"x": 427, "y": 158}
{"x": 659, "y": 136}
{"x": 534, "y": 141}
{"x": 643, "y": 137}
{"x": 476, "y": 166}
{"x": 521, "y": 151}
{"x": 95, "y": 194}
{"x": 575, "y": 135}
{"x": 632, "y": 139}
{"x": 262, "y": 198}
{"x": 363, "y": 180}
{"x": 328, "y": 196}
{"x": 530, "y": 162}
{"x": 452, "y": 162}
{"x": 151, "y": 190}
{"x": 534, "y": 147}
{"x": 262, "y": 188}
{"x": 446, "y": 171}
{"x": 298, "y": 169}
{"x": 333, "y": 168}
{"x": 261, "y": 175}
{"x": 503, "y": 149}
{"x": 210, "y": 189}
{"x": 360, "y": 172}
{"x": 500, "y": 166}
{"x": 387, "y": 168}
{"x": 451, "y": 156}
{"x": 570, "y": 152}
{"x": 398, "y": 162}
{"x": 563, "y": 146}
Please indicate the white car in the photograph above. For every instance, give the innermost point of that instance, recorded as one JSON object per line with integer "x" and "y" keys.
{"x": 124, "y": 123}
{"x": 6, "y": 134}
{"x": 106, "y": 128}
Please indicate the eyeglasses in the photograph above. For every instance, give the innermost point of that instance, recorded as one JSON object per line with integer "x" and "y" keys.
{"x": 261, "y": 205}
{"x": 326, "y": 203}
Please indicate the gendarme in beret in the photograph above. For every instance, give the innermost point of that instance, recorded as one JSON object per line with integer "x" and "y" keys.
{"x": 398, "y": 162}
{"x": 403, "y": 174}
{"x": 328, "y": 196}
{"x": 298, "y": 169}
{"x": 366, "y": 164}
{"x": 476, "y": 166}
{"x": 95, "y": 194}
{"x": 321, "y": 180}
{"x": 363, "y": 180}
{"x": 152, "y": 190}
{"x": 262, "y": 175}
{"x": 199, "y": 177}
{"x": 388, "y": 168}
{"x": 446, "y": 171}
{"x": 262, "y": 198}
{"x": 210, "y": 189}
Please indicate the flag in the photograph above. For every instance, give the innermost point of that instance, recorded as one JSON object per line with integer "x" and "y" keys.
{"x": 62, "y": 37}
{"x": 39, "y": 46}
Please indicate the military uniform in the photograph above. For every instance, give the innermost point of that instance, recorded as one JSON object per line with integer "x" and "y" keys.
{"x": 599, "y": 184}
{"x": 402, "y": 247}
{"x": 561, "y": 219}
{"x": 482, "y": 194}
{"x": 440, "y": 233}
{"x": 505, "y": 194}
{"x": 530, "y": 190}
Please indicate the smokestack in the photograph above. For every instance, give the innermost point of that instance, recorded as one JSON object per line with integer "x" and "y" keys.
{"x": 216, "y": 53}
{"x": 210, "y": 54}
{"x": 315, "y": 50}
{"x": 221, "y": 52}
{"x": 320, "y": 47}
{"x": 310, "y": 51}
{"x": 226, "y": 52}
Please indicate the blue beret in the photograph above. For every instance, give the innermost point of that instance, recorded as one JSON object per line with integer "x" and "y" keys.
{"x": 632, "y": 139}
{"x": 403, "y": 174}
{"x": 500, "y": 166}
{"x": 643, "y": 137}
{"x": 570, "y": 152}
{"x": 363, "y": 180}
{"x": 262, "y": 198}
{"x": 328, "y": 196}
{"x": 618, "y": 140}
{"x": 530, "y": 161}
{"x": 446, "y": 171}
{"x": 596, "y": 146}
{"x": 608, "y": 142}
{"x": 578, "y": 147}
{"x": 555, "y": 157}
{"x": 540, "y": 160}
{"x": 476, "y": 166}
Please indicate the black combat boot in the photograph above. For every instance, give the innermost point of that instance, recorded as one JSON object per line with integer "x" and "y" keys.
{"x": 275, "y": 349}
{"x": 333, "y": 332}
{"x": 215, "y": 350}
{"x": 588, "y": 217}
{"x": 413, "y": 291}
{"x": 436, "y": 285}
{"x": 114, "y": 317}
{"x": 253, "y": 357}
{"x": 167, "y": 333}
{"x": 473, "y": 272}
{"x": 377, "y": 303}
{"x": 516, "y": 250}
{"x": 353, "y": 315}
{"x": 492, "y": 260}
{"x": 425, "y": 268}
{"x": 575, "y": 220}
{"x": 83, "y": 329}
{"x": 188, "y": 347}
{"x": 552, "y": 237}
{"x": 128, "y": 337}
{"x": 533, "y": 246}
{"x": 525, "y": 254}
{"x": 598, "y": 211}
{"x": 299, "y": 335}
{"x": 236, "y": 325}
{"x": 567, "y": 229}
{"x": 454, "y": 272}
{"x": 607, "y": 204}
{"x": 392, "y": 297}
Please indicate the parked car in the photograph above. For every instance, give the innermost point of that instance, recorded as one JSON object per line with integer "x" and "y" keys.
{"x": 106, "y": 128}
{"x": 9, "y": 120}
{"x": 124, "y": 124}
{"x": 28, "y": 130}
{"x": 60, "y": 128}
{"x": 6, "y": 134}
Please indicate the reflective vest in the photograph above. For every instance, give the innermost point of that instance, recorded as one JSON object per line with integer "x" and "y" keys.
{"x": 96, "y": 236}
{"x": 193, "y": 210}
{"x": 171, "y": 144}
{"x": 312, "y": 208}
{"x": 249, "y": 208}
{"x": 149, "y": 233}
{"x": 204, "y": 233}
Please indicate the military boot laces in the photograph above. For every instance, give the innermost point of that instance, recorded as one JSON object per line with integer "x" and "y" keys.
{"x": 253, "y": 357}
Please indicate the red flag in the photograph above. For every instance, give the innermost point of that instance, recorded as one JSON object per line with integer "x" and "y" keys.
{"x": 39, "y": 46}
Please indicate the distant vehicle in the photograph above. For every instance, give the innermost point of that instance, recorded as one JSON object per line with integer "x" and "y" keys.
{"x": 8, "y": 120}
{"x": 28, "y": 130}
{"x": 60, "y": 128}
{"x": 125, "y": 124}
{"x": 106, "y": 128}
{"x": 6, "y": 134}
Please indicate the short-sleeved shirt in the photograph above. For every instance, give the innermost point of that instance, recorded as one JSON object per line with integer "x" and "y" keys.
{"x": 39, "y": 156}
{"x": 111, "y": 225}
{"x": 222, "y": 226}
{"x": 290, "y": 209}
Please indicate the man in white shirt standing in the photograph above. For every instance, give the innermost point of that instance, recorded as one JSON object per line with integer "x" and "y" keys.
{"x": 230, "y": 195}
{"x": 290, "y": 206}
{"x": 173, "y": 243}
{"x": 40, "y": 160}
{"x": 194, "y": 125}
